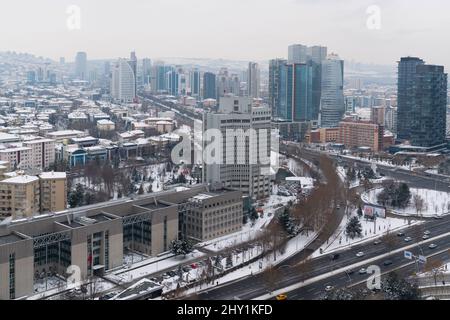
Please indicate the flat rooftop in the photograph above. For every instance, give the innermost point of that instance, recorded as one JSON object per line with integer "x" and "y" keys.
{"x": 155, "y": 206}
{"x": 10, "y": 238}
{"x": 86, "y": 221}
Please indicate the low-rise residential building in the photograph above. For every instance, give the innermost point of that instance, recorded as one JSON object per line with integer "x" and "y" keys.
{"x": 19, "y": 196}
{"x": 53, "y": 191}
{"x": 361, "y": 134}
{"x": 25, "y": 195}
{"x": 42, "y": 152}
{"x": 106, "y": 125}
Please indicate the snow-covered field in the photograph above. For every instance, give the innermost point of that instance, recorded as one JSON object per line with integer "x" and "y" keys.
{"x": 436, "y": 203}
{"x": 370, "y": 231}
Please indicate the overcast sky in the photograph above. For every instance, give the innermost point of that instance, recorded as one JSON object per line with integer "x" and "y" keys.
{"x": 230, "y": 29}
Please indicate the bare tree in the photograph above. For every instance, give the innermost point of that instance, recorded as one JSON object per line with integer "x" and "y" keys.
{"x": 434, "y": 266}
{"x": 271, "y": 277}
{"x": 418, "y": 203}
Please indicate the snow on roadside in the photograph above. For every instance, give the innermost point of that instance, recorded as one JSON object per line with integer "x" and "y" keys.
{"x": 370, "y": 231}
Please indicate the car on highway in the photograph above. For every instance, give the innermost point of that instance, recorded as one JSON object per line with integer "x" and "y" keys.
{"x": 438, "y": 217}
{"x": 400, "y": 234}
{"x": 362, "y": 271}
{"x": 281, "y": 297}
{"x": 335, "y": 256}
{"x": 329, "y": 288}
{"x": 427, "y": 233}
{"x": 432, "y": 246}
{"x": 408, "y": 239}
{"x": 107, "y": 296}
{"x": 350, "y": 271}
{"x": 425, "y": 237}
{"x": 387, "y": 262}
{"x": 360, "y": 254}
{"x": 377, "y": 242}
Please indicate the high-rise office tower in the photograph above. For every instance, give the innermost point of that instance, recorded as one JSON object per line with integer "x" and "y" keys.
{"x": 253, "y": 80}
{"x": 81, "y": 66}
{"x": 277, "y": 74}
{"x": 123, "y": 83}
{"x": 297, "y": 53}
{"x": 209, "y": 86}
{"x": 317, "y": 53}
{"x": 291, "y": 91}
{"x": 194, "y": 82}
{"x": 243, "y": 158}
{"x": 332, "y": 104}
{"x": 172, "y": 82}
{"x": 146, "y": 71}
{"x": 133, "y": 64}
{"x": 422, "y": 103}
{"x": 406, "y": 95}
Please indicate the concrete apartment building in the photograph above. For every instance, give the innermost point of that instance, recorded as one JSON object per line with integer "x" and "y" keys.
{"x": 95, "y": 237}
{"x": 244, "y": 162}
{"x": 361, "y": 134}
{"x": 19, "y": 196}
{"x": 214, "y": 215}
{"x": 42, "y": 152}
{"x": 24, "y": 196}
{"x": 17, "y": 157}
{"x": 53, "y": 191}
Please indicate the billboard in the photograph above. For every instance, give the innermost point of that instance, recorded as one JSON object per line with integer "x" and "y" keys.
{"x": 372, "y": 212}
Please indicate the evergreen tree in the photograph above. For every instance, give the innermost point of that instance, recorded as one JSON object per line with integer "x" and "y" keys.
{"x": 396, "y": 288}
{"x": 253, "y": 214}
{"x": 181, "y": 247}
{"x": 354, "y": 228}
{"x": 141, "y": 189}
{"x": 360, "y": 212}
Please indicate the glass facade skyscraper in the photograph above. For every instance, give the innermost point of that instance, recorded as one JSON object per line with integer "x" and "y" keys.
{"x": 422, "y": 103}
{"x": 291, "y": 87}
{"x": 209, "y": 86}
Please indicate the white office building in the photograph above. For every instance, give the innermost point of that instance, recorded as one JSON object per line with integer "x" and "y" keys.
{"x": 123, "y": 84}
{"x": 242, "y": 159}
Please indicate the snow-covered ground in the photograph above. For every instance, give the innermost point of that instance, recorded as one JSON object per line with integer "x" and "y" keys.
{"x": 150, "y": 266}
{"x": 49, "y": 283}
{"x": 370, "y": 231}
{"x": 293, "y": 246}
{"x": 435, "y": 202}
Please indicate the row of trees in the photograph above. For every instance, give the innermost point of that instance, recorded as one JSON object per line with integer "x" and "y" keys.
{"x": 396, "y": 195}
{"x": 393, "y": 287}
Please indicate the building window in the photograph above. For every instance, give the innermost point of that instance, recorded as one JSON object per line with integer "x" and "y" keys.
{"x": 165, "y": 233}
{"x": 12, "y": 276}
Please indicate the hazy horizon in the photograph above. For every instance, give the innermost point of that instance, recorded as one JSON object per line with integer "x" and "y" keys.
{"x": 233, "y": 30}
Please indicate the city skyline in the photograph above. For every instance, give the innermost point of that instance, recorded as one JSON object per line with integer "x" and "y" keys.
{"x": 342, "y": 28}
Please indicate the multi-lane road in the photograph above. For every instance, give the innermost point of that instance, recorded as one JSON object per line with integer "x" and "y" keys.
{"x": 323, "y": 267}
